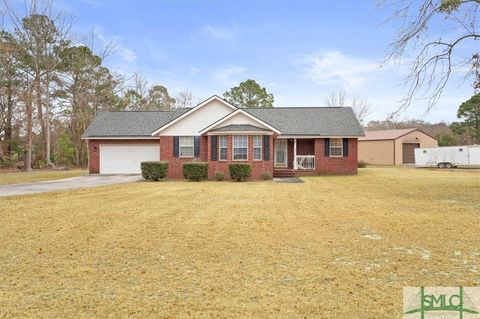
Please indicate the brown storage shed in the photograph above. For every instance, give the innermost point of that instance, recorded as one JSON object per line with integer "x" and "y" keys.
{"x": 393, "y": 147}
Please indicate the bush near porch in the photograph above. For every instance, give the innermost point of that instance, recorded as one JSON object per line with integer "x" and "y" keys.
{"x": 154, "y": 170}
{"x": 240, "y": 172}
{"x": 195, "y": 171}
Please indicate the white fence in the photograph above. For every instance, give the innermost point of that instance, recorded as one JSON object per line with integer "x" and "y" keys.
{"x": 305, "y": 162}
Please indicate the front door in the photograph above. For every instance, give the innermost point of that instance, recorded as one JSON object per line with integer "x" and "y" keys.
{"x": 280, "y": 153}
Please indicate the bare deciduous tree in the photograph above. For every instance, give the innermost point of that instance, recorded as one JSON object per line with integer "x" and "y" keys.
{"x": 360, "y": 106}
{"x": 186, "y": 99}
{"x": 42, "y": 35}
{"x": 432, "y": 37}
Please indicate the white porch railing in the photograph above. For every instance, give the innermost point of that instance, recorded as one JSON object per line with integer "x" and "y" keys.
{"x": 305, "y": 162}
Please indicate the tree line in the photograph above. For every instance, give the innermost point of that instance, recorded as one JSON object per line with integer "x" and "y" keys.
{"x": 53, "y": 82}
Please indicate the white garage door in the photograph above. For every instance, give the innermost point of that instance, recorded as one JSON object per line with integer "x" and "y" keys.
{"x": 126, "y": 159}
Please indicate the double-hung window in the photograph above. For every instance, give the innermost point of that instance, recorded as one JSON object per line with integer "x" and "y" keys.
{"x": 240, "y": 147}
{"x": 336, "y": 147}
{"x": 186, "y": 146}
{"x": 223, "y": 148}
{"x": 257, "y": 147}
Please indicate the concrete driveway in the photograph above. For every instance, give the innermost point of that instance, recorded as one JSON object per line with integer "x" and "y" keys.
{"x": 66, "y": 184}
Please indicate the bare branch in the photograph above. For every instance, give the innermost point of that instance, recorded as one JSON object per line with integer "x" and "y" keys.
{"x": 360, "y": 106}
{"x": 437, "y": 56}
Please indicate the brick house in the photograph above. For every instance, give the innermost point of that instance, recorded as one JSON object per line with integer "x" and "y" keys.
{"x": 281, "y": 141}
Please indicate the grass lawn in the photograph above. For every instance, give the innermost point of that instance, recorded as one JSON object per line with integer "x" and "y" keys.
{"x": 333, "y": 247}
{"x": 37, "y": 176}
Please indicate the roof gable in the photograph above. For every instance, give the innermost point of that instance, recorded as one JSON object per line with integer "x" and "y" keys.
{"x": 239, "y": 128}
{"x": 239, "y": 117}
{"x": 201, "y": 106}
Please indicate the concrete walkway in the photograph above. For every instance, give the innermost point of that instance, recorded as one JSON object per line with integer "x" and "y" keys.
{"x": 291, "y": 180}
{"x": 66, "y": 184}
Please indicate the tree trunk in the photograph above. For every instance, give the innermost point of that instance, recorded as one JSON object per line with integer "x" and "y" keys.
{"x": 38, "y": 89}
{"x": 47, "y": 123}
{"x": 8, "y": 121}
{"x": 28, "y": 160}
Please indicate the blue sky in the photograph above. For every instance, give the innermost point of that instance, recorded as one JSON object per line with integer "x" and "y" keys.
{"x": 301, "y": 51}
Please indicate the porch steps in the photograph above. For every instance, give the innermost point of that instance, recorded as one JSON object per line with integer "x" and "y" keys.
{"x": 283, "y": 172}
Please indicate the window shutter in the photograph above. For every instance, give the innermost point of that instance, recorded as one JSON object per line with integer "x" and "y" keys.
{"x": 214, "y": 152}
{"x": 176, "y": 145}
{"x": 345, "y": 147}
{"x": 196, "y": 146}
{"x": 266, "y": 148}
{"x": 326, "y": 150}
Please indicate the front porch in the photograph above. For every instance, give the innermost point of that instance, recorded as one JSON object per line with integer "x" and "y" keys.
{"x": 293, "y": 155}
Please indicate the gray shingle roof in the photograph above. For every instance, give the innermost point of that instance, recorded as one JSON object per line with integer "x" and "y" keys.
{"x": 238, "y": 128}
{"x": 129, "y": 123}
{"x": 318, "y": 121}
{"x": 323, "y": 121}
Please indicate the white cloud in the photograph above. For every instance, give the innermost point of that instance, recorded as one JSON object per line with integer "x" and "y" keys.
{"x": 125, "y": 53}
{"x": 193, "y": 71}
{"x": 93, "y": 3}
{"x": 229, "y": 76}
{"x": 336, "y": 68}
{"x": 223, "y": 33}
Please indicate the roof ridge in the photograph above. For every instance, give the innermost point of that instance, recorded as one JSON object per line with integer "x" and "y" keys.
{"x": 297, "y": 107}
{"x": 396, "y": 129}
{"x": 144, "y": 111}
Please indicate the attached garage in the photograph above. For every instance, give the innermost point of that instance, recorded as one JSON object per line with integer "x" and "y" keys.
{"x": 126, "y": 158}
{"x": 392, "y": 147}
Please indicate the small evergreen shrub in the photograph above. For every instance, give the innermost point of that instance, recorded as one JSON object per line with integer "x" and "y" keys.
{"x": 361, "y": 164}
{"x": 154, "y": 170}
{"x": 240, "y": 172}
{"x": 219, "y": 176}
{"x": 195, "y": 171}
{"x": 266, "y": 176}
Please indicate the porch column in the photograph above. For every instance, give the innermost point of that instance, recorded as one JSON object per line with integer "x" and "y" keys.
{"x": 294, "y": 153}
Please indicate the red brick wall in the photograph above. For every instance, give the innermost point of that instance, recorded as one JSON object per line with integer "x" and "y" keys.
{"x": 336, "y": 165}
{"x": 258, "y": 167}
{"x": 306, "y": 146}
{"x": 94, "y": 151}
{"x": 175, "y": 164}
{"x": 323, "y": 165}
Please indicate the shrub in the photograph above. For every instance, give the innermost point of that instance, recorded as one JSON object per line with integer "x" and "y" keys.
{"x": 64, "y": 151}
{"x": 219, "y": 176}
{"x": 266, "y": 176}
{"x": 195, "y": 171}
{"x": 361, "y": 164}
{"x": 154, "y": 170}
{"x": 240, "y": 172}
{"x": 41, "y": 164}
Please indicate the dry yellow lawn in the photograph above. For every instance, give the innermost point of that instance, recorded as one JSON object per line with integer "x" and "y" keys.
{"x": 37, "y": 176}
{"x": 333, "y": 247}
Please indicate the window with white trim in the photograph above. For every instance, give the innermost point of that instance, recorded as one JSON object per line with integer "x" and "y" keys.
{"x": 240, "y": 147}
{"x": 336, "y": 147}
{"x": 223, "y": 148}
{"x": 257, "y": 147}
{"x": 186, "y": 146}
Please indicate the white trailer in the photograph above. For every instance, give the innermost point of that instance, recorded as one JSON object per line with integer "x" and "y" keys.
{"x": 448, "y": 157}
